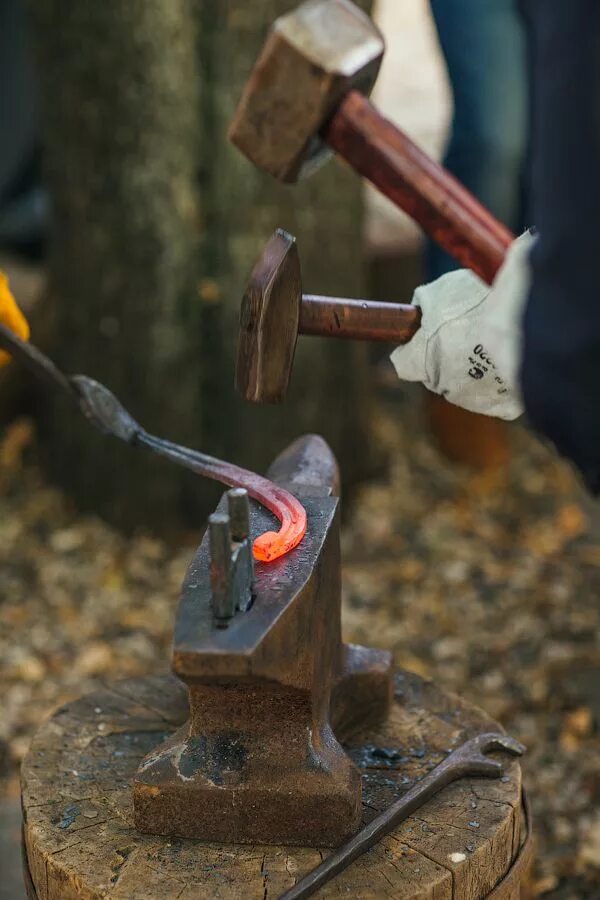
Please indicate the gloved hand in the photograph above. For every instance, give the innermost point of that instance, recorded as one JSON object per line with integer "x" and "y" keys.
{"x": 468, "y": 348}
{"x": 10, "y": 316}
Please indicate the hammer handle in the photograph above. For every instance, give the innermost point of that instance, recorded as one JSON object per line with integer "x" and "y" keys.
{"x": 430, "y": 195}
{"x": 363, "y": 320}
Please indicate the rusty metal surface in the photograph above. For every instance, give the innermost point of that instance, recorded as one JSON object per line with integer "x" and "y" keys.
{"x": 200, "y": 652}
{"x": 468, "y": 760}
{"x": 311, "y": 465}
{"x": 231, "y": 564}
{"x": 269, "y": 317}
{"x": 259, "y": 760}
{"x": 274, "y": 312}
{"x": 312, "y": 58}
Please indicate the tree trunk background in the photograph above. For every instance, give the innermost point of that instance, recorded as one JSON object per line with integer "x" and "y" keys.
{"x": 157, "y": 222}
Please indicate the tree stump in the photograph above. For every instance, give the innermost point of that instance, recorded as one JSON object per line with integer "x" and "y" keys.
{"x": 470, "y": 842}
{"x": 157, "y": 223}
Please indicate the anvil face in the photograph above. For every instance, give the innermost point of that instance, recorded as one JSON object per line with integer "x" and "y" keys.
{"x": 271, "y": 639}
{"x": 271, "y": 695}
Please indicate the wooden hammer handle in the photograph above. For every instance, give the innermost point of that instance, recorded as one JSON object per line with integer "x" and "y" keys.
{"x": 363, "y": 320}
{"x": 430, "y": 195}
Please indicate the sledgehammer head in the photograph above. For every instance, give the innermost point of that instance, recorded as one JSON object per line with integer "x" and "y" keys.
{"x": 269, "y": 322}
{"x": 312, "y": 58}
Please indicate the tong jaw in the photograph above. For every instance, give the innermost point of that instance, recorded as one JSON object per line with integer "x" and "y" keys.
{"x": 102, "y": 409}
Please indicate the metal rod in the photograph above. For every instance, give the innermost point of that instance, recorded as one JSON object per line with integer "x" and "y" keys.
{"x": 469, "y": 759}
{"x": 239, "y": 513}
{"x": 223, "y": 602}
{"x": 107, "y": 413}
{"x": 289, "y": 510}
{"x": 34, "y": 360}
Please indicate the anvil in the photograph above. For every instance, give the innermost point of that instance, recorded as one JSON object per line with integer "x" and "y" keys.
{"x": 273, "y": 694}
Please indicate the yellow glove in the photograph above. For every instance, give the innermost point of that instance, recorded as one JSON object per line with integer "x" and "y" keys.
{"x": 11, "y": 316}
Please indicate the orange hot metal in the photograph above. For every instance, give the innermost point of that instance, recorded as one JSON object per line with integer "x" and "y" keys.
{"x": 106, "y": 412}
{"x": 272, "y": 544}
{"x": 268, "y": 546}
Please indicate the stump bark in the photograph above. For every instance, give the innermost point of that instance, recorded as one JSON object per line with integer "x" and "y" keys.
{"x": 157, "y": 222}
{"x": 466, "y": 844}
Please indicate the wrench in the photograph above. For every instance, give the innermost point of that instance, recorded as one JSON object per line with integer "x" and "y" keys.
{"x": 467, "y": 760}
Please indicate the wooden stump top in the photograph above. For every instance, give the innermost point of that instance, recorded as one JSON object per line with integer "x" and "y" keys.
{"x": 78, "y": 817}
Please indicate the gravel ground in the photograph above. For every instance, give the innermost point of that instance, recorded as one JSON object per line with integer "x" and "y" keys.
{"x": 486, "y": 583}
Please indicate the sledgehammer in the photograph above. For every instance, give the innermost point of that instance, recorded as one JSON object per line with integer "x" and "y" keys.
{"x": 308, "y": 96}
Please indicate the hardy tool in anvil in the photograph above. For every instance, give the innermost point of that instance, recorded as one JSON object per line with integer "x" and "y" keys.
{"x": 308, "y": 96}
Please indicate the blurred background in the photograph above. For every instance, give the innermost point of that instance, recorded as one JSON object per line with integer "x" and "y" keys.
{"x": 128, "y": 227}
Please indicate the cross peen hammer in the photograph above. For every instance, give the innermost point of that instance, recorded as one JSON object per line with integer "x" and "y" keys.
{"x": 275, "y": 311}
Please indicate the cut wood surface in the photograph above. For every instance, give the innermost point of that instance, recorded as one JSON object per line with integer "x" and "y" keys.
{"x": 80, "y": 840}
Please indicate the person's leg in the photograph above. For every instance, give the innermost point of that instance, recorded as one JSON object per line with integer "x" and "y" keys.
{"x": 484, "y": 44}
{"x": 17, "y": 104}
{"x": 22, "y": 200}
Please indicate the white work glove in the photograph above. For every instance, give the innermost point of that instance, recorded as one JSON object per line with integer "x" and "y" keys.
{"x": 468, "y": 348}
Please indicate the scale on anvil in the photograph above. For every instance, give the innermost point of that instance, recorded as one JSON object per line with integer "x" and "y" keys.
{"x": 274, "y": 735}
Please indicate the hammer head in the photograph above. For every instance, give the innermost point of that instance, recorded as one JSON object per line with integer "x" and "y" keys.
{"x": 312, "y": 58}
{"x": 269, "y": 322}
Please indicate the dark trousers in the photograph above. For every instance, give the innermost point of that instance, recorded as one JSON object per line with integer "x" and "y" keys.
{"x": 484, "y": 45}
{"x": 18, "y": 126}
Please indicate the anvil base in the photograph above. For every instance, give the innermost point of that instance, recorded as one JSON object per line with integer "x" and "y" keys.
{"x": 275, "y": 781}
